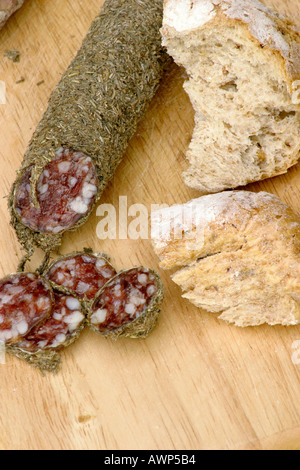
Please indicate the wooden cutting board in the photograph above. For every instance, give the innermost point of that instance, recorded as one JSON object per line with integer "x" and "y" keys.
{"x": 195, "y": 383}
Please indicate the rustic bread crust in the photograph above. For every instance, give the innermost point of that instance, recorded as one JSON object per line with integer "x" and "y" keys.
{"x": 265, "y": 26}
{"x": 243, "y": 63}
{"x": 238, "y": 254}
{"x": 8, "y": 8}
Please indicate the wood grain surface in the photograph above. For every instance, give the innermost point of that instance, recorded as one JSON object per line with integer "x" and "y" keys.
{"x": 195, "y": 382}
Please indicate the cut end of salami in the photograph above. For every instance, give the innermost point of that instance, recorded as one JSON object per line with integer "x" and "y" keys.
{"x": 128, "y": 305}
{"x": 60, "y": 330}
{"x": 26, "y": 300}
{"x": 83, "y": 274}
{"x": 66, "y": 192}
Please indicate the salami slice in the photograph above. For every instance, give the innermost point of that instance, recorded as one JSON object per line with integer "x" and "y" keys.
{"x": 60, "y": 330}
{"x": 26, "y": 300}
{"x": 65, "y": 192}
{"x": 128, "y": 305}
{"x": 83, "y": 274}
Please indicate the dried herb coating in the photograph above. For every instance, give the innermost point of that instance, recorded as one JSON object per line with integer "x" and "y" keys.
{"x": 99, "y": 101}
{"x": 45, "y": 361}
{"x": 136, "y": 323}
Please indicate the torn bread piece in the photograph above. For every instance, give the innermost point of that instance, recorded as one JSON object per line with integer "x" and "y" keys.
{"x": 7, "y": 9}
{"x": 243, "y": 63}
{"x": 236, "y": 253}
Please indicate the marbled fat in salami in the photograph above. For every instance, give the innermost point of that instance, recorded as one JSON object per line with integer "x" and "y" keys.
{"x": 66, "y": 191}
{"x": 26, "y": 300}
{"x": 59, "y": 330}
{"x": 124, "y": 299}
{"x": 84, "y": 274}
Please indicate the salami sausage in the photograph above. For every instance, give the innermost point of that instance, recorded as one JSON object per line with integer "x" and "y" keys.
{"x": 94, "y": 111}
{"x": 60, "y": 330}
{"x": 128, "y": 305}
{"x": 40, "y": 347}
{"x": 26, "y": 301}
{"x": 83, "y": 274}
{"x": 66, "y": 191}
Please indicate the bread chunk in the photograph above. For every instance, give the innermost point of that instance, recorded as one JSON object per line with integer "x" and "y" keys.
{"x": 8, "y": 8}
{"x": 243, "y": 63}
{"x": 236, "y": 253}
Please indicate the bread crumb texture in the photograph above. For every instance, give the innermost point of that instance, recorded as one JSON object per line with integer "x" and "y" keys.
{"x": 236, "y": 253}
{"x": 243, "y": 63}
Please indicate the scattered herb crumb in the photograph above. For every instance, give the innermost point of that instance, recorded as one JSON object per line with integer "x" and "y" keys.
{"x": 13, "y": 55}
{"x": 40, "y": 83}
{"x": 84, "y": 418}
{"x": 21, "y": 80}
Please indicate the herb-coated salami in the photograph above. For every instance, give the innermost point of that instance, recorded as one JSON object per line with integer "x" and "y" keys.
{"x": 83, "y": 274}
{"x": 94, "y": 111}
{"x": 128, "y": 304}
{"x": 65, "y": 192}
{"x": 58, "y": 331}
{"x": 26, "y": 300}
